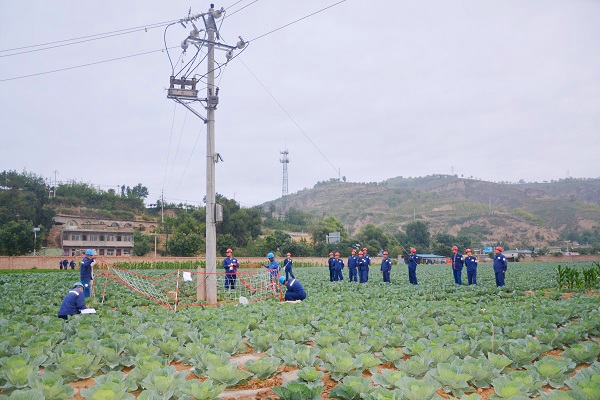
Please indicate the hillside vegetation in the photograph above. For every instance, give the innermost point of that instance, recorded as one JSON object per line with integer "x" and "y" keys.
{"x": 533, "y": 213}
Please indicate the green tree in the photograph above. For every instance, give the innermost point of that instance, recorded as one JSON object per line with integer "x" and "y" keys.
{"x": 185, "y": 244}
{"x": 16, "y": 238}
{"x": 139, "y": 191}
{"x": 224, "y": 242}
{"x": 243, "y": 224}
{"x": 23, "y": 205}
{"x": 373, "y": 237}
{"x": 418, "y": 234}
{"x": 142, "y": 244}
{"x": 297, "y": 218}
{"x": 274, "y": 242}
{"x": 300, "y": 248}
{"x": 320, "y": 229}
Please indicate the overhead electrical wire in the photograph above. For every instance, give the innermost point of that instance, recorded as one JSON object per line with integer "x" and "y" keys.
{"x": 96, "y": 36}
{"x": 78, "y": 42}
{"x": 83, "y": 65}
{"x": 298, "y": 20}
{"x": 155, "y": 51}
{"x": 105, "y": 35}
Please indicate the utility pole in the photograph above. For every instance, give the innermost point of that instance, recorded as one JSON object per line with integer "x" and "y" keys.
{"x": 187, "y": 91}
{"x": 284, "y": 188}
{"x": 55, "y": 172}
{"x": 35, "y": 231}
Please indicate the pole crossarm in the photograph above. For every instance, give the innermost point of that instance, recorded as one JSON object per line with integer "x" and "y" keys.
{"x": 217, "y": 45}
{"x": 196, "y": 113}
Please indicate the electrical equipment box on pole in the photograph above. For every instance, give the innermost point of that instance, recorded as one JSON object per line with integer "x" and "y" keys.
{"x": 218, "y": 212}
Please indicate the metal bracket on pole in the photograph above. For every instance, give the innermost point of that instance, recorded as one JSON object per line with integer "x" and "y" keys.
{"x": 196, "y": 113}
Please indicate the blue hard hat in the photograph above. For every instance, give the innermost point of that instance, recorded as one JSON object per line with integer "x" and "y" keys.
{"x": 270, "y": 255}
{"x": 89, "y": 252}
{"x": 77, "y": 284}
{"x": 282, "y": 279}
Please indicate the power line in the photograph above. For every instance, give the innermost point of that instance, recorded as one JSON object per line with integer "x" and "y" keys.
{"x": 83, "y": 65}
{"x": 298, "y": 20}
{"x": 98, "y": 37}
{"x": 104, "y": 35}
{"x": 148, "y": 52}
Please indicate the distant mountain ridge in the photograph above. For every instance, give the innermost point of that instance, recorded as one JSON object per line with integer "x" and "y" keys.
{"x": 524, "y": 212}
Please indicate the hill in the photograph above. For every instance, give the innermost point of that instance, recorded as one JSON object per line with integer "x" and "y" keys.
{"x": 528, "y": 213}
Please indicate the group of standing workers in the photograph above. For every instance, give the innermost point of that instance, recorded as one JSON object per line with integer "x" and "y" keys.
{"x": 470, "y": 261}
{"x": 360, "y": 265}
{"x": 64, "y": 264}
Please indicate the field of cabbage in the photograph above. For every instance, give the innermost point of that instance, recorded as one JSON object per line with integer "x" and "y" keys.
{"x": 346, "y": 341}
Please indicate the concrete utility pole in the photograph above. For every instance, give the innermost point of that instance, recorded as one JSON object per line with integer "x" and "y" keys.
{"x": 207, "y": 292}
{"x": 284, "y": 188}
{"x": 55, "y": 183}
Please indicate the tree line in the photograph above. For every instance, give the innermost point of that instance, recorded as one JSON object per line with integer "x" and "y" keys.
{"x": 27, "y": 201}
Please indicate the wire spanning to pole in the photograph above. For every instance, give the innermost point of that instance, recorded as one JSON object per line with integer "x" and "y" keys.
{"x": 184, "y": 92}
{"x": 284, "y": 188}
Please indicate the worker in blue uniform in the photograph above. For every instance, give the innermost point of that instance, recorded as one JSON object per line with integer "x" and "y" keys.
{"x": 86, "y": 272}
{"x": 338, "y": 266}
{"x": 230, "y": 264}
{"x": 72, "y": 264}
{"x": 457, "y": 265}
{"x": 500, "y": 266}
{"x": 273, "y": 267}
{"x": 330, "y": 262}
{"x": 413, "y": 261}
{"x": 352, "y": 264}
{"x": 368, "y": 258}
{"x": 73, "y": 302}
{"x": 287, "y": 266}
{"x": 386, "y": 267}
{"x": 294, "y": 290}
{"x": 471, "y": 264}
{"x": 363, "y": 268}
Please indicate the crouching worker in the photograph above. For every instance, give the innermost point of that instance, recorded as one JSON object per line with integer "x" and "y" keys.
{"x": 73, "y": 302}
{"x": 294, "y": 291}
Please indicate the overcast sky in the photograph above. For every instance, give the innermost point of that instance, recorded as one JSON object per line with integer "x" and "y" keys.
{"x": 498, "y": 90}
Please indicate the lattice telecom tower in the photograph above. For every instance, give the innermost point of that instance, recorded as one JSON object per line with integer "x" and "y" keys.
{"x": 284, "y": 187}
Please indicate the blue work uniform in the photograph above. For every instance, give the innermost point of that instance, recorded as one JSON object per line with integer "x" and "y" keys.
{"x": 363, "y": 269}
{"x": 457, "y": 267}
{"x": 287, "y": 266}
{"x": 86, "y": 274}
{"x": 330, "y": 264}
{"x": 413, "y": 260}
{"x": 72, "y": 264}
{"x": 273, "y": 269}
{"x": 368, "y": 258}
{"x": 352, "y": 263}
{"x": 500, "y": 266}
{"x": 338, "y": 266}
{"x": 294, "y": 291}
{"x": 386, "y": 268}
{"x": 230, "y": 265}
{"x": 471, "y": 264}
{"x": 72, "y": 304}
{"x": 65, "y": 264}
